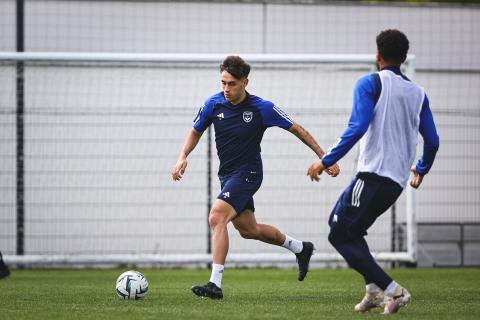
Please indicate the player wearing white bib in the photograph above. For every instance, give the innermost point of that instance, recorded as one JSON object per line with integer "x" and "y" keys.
{"x": 389, "y": 111}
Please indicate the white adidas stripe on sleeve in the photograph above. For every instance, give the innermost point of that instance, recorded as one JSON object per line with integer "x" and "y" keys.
{"x": 282, "y": 114}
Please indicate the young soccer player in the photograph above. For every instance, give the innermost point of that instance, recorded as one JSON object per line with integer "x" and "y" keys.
{"x": 240, "y": 119}
{"x": 389, "y": 111}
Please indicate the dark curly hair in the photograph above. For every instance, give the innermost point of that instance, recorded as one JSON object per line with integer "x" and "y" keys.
{"x": 393, "y": 46}
{"x": 236, "y": 66}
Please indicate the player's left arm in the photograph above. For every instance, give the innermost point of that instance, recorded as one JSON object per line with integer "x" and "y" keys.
{"x": 274, "y": 116}
{"x": 431, "y": 143}
{"x": 305, "y": 136}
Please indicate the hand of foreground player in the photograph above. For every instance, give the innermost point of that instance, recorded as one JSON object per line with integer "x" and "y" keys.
{"x": 179, "y": 169}
{"x": 315, "y": 170}
{"x": 333, "y": 170}
{"x": 417, "y": 178}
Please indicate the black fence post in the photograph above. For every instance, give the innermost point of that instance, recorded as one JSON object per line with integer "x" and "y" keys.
{"x": 393, "y": 231}
{"x": 20, "y": 250}
{"x": 209, "y": 189}
{"x": 462, "y": 245}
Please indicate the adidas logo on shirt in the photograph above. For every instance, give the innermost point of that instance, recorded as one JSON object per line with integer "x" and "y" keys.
{"x": 220, "y": 116}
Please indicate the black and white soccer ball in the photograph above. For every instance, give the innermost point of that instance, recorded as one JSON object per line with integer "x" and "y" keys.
{"x": 132, "y": 285}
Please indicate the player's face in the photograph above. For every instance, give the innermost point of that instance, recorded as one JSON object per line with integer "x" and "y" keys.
{"x": 233, "y": 89}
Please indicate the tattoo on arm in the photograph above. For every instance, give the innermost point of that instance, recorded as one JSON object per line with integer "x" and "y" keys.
{"x": 307, "y": 138}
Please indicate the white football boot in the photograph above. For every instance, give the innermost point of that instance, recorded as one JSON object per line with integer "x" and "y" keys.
{"x": 370, "y": 301}
{"x": 395, "y": 302}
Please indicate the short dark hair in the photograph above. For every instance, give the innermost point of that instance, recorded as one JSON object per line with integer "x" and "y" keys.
{"x": 393, "y": 46}
{"x": 236, "y": 66}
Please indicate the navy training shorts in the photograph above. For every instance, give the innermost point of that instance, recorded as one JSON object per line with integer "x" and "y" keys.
{"x": 238, "y": 189}
{"x": 361, "y": 203}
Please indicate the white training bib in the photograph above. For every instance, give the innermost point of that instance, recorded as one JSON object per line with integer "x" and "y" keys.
{"x": 388, "y": 147}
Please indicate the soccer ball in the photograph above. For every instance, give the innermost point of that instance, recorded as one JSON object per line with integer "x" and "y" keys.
{"x": 132, "y": 285}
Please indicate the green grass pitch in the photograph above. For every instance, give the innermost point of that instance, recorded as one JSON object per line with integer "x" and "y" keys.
{"x": 249, "y": 294}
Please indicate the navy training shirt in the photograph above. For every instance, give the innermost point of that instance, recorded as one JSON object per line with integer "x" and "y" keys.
{"x": 239, "y": 129}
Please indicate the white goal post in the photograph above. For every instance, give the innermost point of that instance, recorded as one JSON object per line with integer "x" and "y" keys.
{"x": 32, "y": 259}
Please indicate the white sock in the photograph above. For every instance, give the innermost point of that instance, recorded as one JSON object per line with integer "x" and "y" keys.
{"x": 217, "y": 274}
{"x": 393, "y": 289}
{"x": 372, "y": 287}
{"x": 292, "y": 244}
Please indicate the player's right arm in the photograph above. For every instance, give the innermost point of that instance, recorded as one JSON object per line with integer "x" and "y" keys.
{"x": 364, "y": 100}
{"x": 190, "y": 143}
{"x": 202, "y": 121}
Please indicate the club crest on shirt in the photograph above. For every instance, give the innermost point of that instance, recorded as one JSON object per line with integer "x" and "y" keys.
{"x": 247, "y": 116}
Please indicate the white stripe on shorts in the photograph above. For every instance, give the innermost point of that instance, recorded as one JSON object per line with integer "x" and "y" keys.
{"x": 357, "y": 192}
